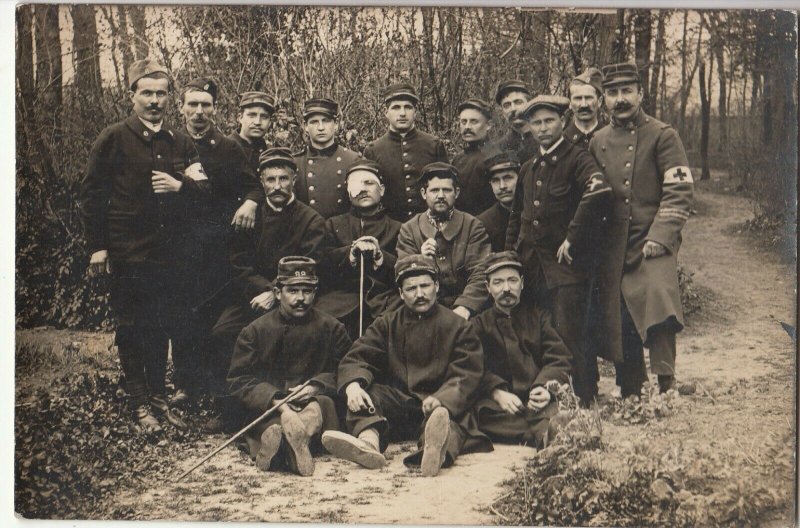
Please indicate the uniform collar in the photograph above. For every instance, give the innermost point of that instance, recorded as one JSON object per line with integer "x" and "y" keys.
{"x": 294, "y": 320}
{"x": 577, "y": 127}
{"x": 500, "y": 314}
{"x": 554, "y": 153}
{"x": 277, "y": 211}
{"x": 552, "y": 147}
{"x": 639, "y": 119}
{"x": 475, "y": 146}
{"x": 145, "y": 132}
{"x": 326, "y": 152}
{"x": 450, "y": 230}
{"x": 211, "y": 137}
{"x": 255, "y": 144}
{"x": 411, "y": 314}
{"x": 399, "y": 137}
{"x": 376, "y": 214}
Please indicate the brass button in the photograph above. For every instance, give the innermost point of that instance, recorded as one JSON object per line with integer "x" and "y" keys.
{"x": 310, "y": 174}
{"x": 312, "y": 201}
{"x": 535, "y": 222}
{"x": 543, "y": 163}
{"x": 536, "y": 203}
{"x": 538, "y": 183}
{"x": 630, "y": 147}
{"x": 626, "y": 182}
{"x": 310, "y": 187}
{"x": 404, "y": 142}
{"x": 408, "y": 188}
{"x": 409, "y": 201}
{"x": 338, "y": 158}
{"x": 628, "y": 164}
{"x": 339, "y": 200}
{"x": 408, "y": 176}
{"x": 405, "y": 153}
{"x": 339, "y": 186}
{"x": 405, "y": 165}
{"x": 627, "y": 200}
{"x": 339, "y": 171}
{"x": 310, "y": 162}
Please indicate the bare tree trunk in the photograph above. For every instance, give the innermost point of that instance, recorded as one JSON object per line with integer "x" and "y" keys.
{"x": 657, "y": 58}
{"x": 86, "y": 50}
{"x": 684, "y": 88}
{"x": 141, "y": 46}
{"x": 715, "y": 28}
{"x": 48, "y": 63}
{"x": 643, "y": 33}
{"x": 705, "y": 119}
{"x": 619, "y": 53}
{"x": 24, "y": 55}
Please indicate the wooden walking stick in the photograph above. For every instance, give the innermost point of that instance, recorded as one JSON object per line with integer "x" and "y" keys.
{"x": 292, "y": 395}
{"x": 361, "y": 297}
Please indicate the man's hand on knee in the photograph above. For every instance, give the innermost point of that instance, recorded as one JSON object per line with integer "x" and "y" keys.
{"x": 357, "y": 398}
{"x": 508, "y": 401}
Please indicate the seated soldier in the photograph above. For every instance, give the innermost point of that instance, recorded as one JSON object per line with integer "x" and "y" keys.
{"x": 276, "y": 353}
{"x": 456, "y": 240}
{"x": 523, "y": 354}
{"x": 415, "y": 370}
{"x": 366, "y": 230}
{"x": 503, "y": 172}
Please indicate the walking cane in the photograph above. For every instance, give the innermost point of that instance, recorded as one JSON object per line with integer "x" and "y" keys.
{"x": 269, "y": 411}
{"x": 361, "y": 298}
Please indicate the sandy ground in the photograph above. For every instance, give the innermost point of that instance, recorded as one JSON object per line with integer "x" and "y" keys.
{"x": 741, "y": 357}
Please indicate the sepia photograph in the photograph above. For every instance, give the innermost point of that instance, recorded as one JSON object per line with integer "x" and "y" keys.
{"x": 419, "y": 265}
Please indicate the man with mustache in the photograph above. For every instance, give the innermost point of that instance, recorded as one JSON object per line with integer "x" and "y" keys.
{"x": 523, "y": 356}
{"x": 456, "y": 240}
{"x": 561, "y": 194}
{"x": 322, "y": 165}
{"x": 640, "y": 298}
{"x": 284, "y": 226}
{"x": 366, "y": 230}
{"x": 255, "y": 114}
{"x": 142, "y": 178}
{"x": 278, "y": 352}
{"x": 585, "y": 97}
{"x": 413, "y": 373}
{"x": 503, "y": 171}
{"x": 474, "y": 123}
{"x": 402, "y": 152}
{"x": 512, "y": 96}
{"x": 235, "y": 195}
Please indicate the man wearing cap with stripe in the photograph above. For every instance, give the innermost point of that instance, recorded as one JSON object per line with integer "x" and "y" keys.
{"x": 524, "y": 356}
{"x": 323, "y": 163}
{"x": 141, "y": 179}
{"x": 503, "y": 172}
{"x": 402, "y": 152}
{"x": 560, "y": 196}
{"x": 366, "y": 230}
{"x": 235, "y": 195}
{"x": 512, "y": 96}
{"x": 414, "y": 373}
{"x": 474, "y": 124}
{"x": 278, "y": 352}
{"x": 255, "y": 113}
{"x": 647, "y": 167}
{"x": 585, "y": 97}
{"x": 456, "y": 240}
{"x": 284, "y": 227}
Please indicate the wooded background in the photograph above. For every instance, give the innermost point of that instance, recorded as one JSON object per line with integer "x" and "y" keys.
{"x": 725, "y": 79}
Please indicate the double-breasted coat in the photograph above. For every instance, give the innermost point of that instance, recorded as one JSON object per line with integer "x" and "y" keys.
{"x": 461, "y": 248}
{"x": 321, "y": 178}
{"x": 476, "y": 194}
{"x": 646, "y": 165}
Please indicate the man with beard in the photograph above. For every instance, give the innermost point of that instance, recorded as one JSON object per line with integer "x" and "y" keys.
{"x": 255, "y": 113}
{"x": 142, "y": 177}
{"x": 560, "y": 196}
{"x": 585, "y": 96}
{"x": 456, "y": 241}
{"x": 274, "y": 355}
{"x": 639, "y": 294}
{"x": 402, "y": 152}
{"x": 413, "y": 373}
{"x": 322, "y": 165}
{"x": 512, "y": 96}
{"x": 365, "y": 231}
{"x": 235, "y": 195}
{"x": 524, "y": 356}
{"x": 474, "y": 123}
{"x": 503, "y": 170}
{"x": 284, "y": 227}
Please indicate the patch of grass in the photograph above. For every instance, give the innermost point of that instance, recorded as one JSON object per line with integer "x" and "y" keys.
{"x": 337, "y": 516}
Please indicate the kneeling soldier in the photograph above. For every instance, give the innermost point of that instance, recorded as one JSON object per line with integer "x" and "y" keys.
{"x": 415, "y": 370}
{"x": 276, "y": 353}
{"x": 523, "y": 354}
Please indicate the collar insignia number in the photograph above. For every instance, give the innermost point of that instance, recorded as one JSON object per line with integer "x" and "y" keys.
{"x": 300, "y": 273}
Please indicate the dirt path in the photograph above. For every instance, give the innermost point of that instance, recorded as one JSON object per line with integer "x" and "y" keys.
{"x": 736, "y": 350}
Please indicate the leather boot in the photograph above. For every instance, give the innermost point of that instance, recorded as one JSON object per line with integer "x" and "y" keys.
{"x": 145, "y": 419}
{"x": 665, "y": 383}
{"x": 348, "y": 447}
{"x": 271, "y": 440}
{"x": 437, "y": 432}
{"x": 298, "y": 428}
{"x": 160, "y": 406}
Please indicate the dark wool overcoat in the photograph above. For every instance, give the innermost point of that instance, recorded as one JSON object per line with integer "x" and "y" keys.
{"x": 476, "y": 194}
{"x": 321, "y": 178}
{"x": 495, "y": 221}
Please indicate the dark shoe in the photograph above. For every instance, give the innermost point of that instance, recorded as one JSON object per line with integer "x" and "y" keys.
{"x": 214, "y": 425}
{"x": 180, "y": 397}
{"x": 146, "y": 420}
{"x": 665, "y": 383}
{"x": 348, "y": 447}
{"x": 627, "y": 392}
{"x": 160, "y": 405}
{"x": 271, "y": 440}
{"x": 437, "y": 432}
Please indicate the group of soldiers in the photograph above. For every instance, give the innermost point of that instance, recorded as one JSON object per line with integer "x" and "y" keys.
{"x": 395, "y": 294}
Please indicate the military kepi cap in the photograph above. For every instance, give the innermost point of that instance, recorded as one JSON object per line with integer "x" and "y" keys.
{"x": 505, "y": 87}
{"x": 276, "y": 156}
{"x": 501, "y": 259}
{"x": 400, "y": 90}
{"x": 502, "y": 162}
{"x": 437, "y": 169}
{"x": 320, "y": 105}
{"x": 476, "y": 104}
{"x": 297, "y": 270}
{"x": 257, "y": 98}
{"x": 368, "y": 166}
{"x": 621, "y": 73}
{"x": 204, "y": 84}
{"x": 591, "y": 77}
{"x": 143, "y": 68}
{"x": 414, "y": 265}
{"x": 556, "y": 103}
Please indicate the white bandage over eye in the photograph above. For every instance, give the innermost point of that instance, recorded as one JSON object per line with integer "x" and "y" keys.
{"x": 357, "y": 182}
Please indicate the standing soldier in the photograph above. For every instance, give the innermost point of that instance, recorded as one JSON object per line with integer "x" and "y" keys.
{"x": 141, "y": 178}
{"x": 403, "y": 151}
{"x": 323, "y": 163}
{"x": 561, "y": 194}
{"x": 474, "y": 124}
{"x": 255, "y": 113}
{"x": 512, "y": 96}
{"x": 585, "y": 94}
{"x": 648, "y": 170}
{"x": 503, "y": 176}
{"x": 235, "y": 195}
